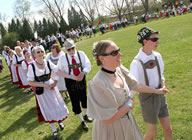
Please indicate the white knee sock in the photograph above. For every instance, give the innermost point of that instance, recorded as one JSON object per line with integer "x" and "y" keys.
{"x": 80, "y": 117}
{"x": 84, "y": 111}
{"x": 53, "y": 127}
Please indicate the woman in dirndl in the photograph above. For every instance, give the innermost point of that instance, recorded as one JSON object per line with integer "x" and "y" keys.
{"x": 52, "y": 108}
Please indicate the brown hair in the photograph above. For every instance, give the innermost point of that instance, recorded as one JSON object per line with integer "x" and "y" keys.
{"x": 99, "y": 49}
{"x": 57, "y": 47}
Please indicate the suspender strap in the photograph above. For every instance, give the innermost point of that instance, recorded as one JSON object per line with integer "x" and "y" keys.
{"x": 33, "y": 67}
{"x": 68, "y": 63}
{"x": 80, "y": 61}
{"x": 159, "y": 71}
{"x": 69, "y": 67}
{"x": 49, "y": 66}
{"x": 16, "y": 58}
{"x": 145, "y": 72}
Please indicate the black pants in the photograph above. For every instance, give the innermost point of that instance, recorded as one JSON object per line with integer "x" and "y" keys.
{"x": 78, "y": 94}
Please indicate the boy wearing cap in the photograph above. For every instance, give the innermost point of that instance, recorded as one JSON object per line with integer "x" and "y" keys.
{"x": 77, "y": 65}
{"x": 148, "y": 67}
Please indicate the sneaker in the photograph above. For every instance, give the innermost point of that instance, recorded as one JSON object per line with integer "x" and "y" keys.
{"x": 61, "y": 125}
{"x": 87, "y": 118}
{"x": 55, "y": 135}
{"x": 84, "y": 126}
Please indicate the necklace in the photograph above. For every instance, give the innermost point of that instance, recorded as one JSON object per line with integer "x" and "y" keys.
{"x": 108, "y": 71}
{"x": 39, "y": 64}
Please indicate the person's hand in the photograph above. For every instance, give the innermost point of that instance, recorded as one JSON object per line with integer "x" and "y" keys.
{"x": 80, "y": 76}
{"x": 162, "y": 91}
{"x": 60, "y": 73}
{"x": 46, "y": 86}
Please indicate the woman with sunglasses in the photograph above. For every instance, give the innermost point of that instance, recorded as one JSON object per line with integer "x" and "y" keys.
{"x": 49, "y": 100}
{"x": 147, "y": 67}
{"x": 109, "y": 99}
{"x": 53, "y": 56}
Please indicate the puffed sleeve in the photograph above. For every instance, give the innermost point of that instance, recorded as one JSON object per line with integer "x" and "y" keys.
{"x": 54, "y": 68}
{"x": 130, "y": 79}
{"x": 30, "y": 74}
{"x": 101, "y": 103}
{"x": 24, "y": 66}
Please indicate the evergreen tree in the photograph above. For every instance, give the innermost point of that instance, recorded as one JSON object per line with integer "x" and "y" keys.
{"x": 40, "y": 29}
{"x": 18, "y": 29}
{"x": 70, "y": 18}
{"x": 82, "y": 17}
{"x": 44, "y": 28}
{"x": 26, "y": 31}
{"x": 63, "y": 26}
{"x": 2, "y": 31}
{"x": 53, "y": 27}
{"x": 35, "y": 26}
{"x": 12, "y": 27}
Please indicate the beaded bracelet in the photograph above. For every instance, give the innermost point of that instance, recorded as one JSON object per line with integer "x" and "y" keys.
{"x": 128, "y": 103}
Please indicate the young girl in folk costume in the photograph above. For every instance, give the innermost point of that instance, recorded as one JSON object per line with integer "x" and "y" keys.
{"x": 53, "y": 56}
{"x": 17, "y": 60}
{"x": 13, "y": 68}
{"x": 25, "y": 64}
{"x": 50, "y": 104}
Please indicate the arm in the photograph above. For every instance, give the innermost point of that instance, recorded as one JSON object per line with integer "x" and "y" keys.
{"x": 121, "y": 112}
{"x": 147, "y": 89}
{"x": 35, "y": 84}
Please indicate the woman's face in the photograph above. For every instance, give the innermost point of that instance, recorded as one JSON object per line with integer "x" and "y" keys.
{"x": 39, "y": 53}
{"x": 112, "y": 58}
{"x": 53, "y": 49}
{"x": 27, "y": 54}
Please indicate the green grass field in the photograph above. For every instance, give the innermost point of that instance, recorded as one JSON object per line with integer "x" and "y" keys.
{"x": 18, "y": 119}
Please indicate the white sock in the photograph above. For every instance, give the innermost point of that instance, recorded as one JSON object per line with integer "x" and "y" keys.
{"x": 61, "y": 123}
{"x": 80, "y": 117}
{"x": 85, "y": 111}
{"x": 53, "y": 127}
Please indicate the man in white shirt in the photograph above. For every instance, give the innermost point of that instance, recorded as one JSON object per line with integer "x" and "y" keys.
{"x": 76, "y": 64}
{"x": 148, "y": 67}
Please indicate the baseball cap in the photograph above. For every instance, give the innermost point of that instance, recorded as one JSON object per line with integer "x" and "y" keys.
{"x": 144, "y": 33}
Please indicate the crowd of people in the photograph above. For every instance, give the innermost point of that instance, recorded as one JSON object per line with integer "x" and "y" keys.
{"x": 110, "y": 93}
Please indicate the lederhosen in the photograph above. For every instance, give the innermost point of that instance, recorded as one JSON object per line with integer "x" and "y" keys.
{"x": 17, "y": 70}
{"x": 41, "y": 78}
{"x": 153, "y": 106}
{"x": 76, "y": 89}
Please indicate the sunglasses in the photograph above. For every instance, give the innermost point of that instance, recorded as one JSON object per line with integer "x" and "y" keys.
{"x": 113, "y": 53}
{"x": 40, "y": 51}
{"x": 70, "y": 49}
{"x": 153, "y": 39}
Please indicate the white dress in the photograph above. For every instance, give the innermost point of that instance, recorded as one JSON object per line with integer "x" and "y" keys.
{"x": 50, "y": 102}
{"x": 61, "y": 82}
{"x": 21, "y": 72}
{"x": 24, "y": 67}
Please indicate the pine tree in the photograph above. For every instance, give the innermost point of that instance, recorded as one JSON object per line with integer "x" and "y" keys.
{"x": 44, "y": 28}
{"x": 63, "y": 26}
{"x": 82, "y": 17}
{"x": 12, "y": 27}
{"x": 2, "y": 31}
{"x": 26, "y": 31}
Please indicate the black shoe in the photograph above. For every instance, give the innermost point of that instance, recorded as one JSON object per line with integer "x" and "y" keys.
{"x": 84, "y": 125}
{"x": 87, "y": 118}
{"x": 61, "y": 125}
{"x": 55, "y": 135}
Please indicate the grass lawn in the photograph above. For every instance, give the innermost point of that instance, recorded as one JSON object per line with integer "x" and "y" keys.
{"x": 18, "y": 118}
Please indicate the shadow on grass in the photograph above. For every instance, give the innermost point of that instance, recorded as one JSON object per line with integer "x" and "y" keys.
{"x": 12, "y": 95}
{"x": 77, "y": 133}
{"x": 24, "y": 121}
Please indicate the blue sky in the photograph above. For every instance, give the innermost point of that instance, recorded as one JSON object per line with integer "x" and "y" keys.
{"x": 6, "y": 7}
